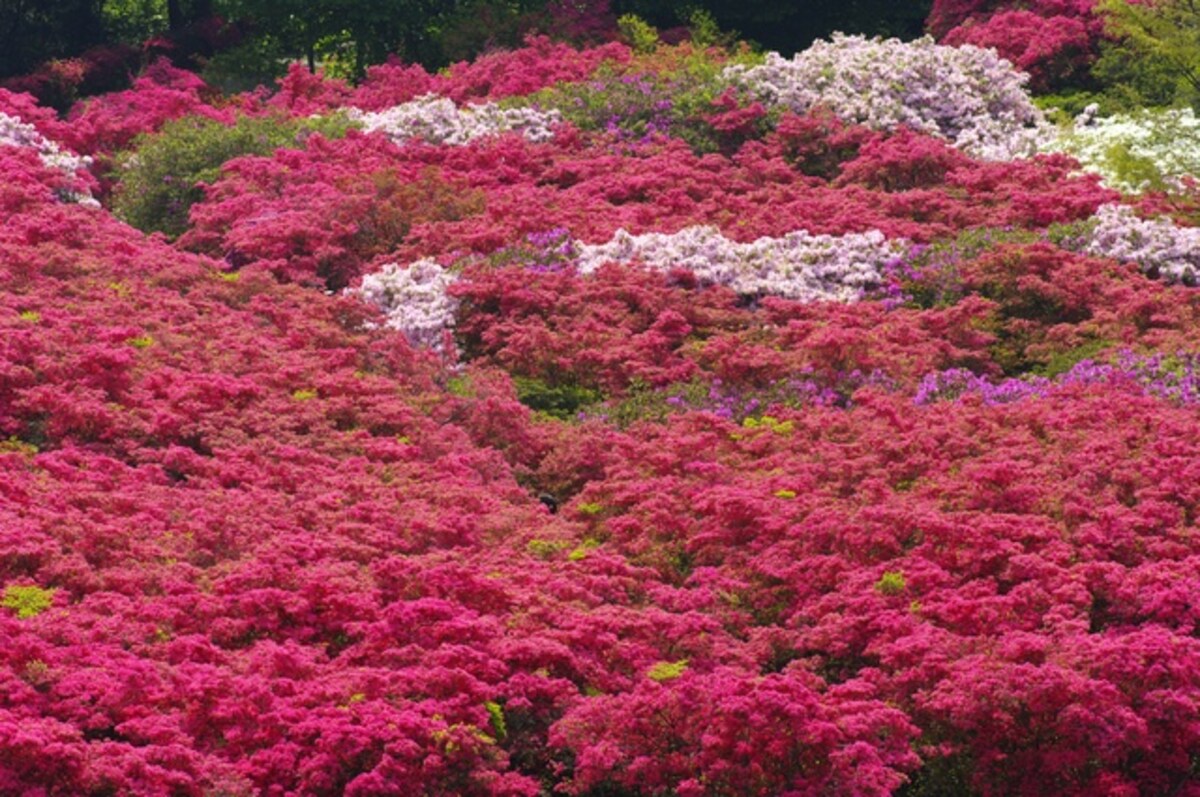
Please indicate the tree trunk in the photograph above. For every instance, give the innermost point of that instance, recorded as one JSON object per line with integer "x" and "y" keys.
{"x": 175, "y": 18}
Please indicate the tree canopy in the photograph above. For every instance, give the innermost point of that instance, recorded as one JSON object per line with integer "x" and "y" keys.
{"x": 1165, "y": 33}
{"x": 433, "y": 32}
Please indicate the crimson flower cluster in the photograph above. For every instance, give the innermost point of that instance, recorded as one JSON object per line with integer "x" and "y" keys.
{"x": 636, "y": 532}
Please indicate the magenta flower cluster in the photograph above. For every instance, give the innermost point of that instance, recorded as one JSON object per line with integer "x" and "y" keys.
{"x": 625, "y": 485}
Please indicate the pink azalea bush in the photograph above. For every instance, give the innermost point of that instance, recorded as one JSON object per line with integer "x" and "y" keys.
{"x": 477, "y": 196}
{"x": 515, "y": 467}
{"x": 1051, "y": 48}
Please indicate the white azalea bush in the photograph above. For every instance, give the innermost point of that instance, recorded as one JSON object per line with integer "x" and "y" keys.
{"x": 967, "y": 95}
{"x": 796, "y": 266}
{"x": 1132, "y": 152}
{"x": 16, "y": 133}
{"x": 1158, "y": 246}
{"x": 438, "y": 120}
{"x": 414, "y": 299}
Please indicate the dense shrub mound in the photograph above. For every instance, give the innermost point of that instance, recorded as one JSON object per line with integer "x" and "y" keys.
{"x": 477, "y": 197}
{"x": 1055, "y": 41}
{"x": 700, "y": 443}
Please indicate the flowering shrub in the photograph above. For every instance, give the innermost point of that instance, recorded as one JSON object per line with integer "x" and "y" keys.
{"x": 414, "y": 300}
{"x": 1055, "y": 41}
{"x": 438, "y": 120}
{"x": 541, "y": 63}
{"x": 25, "y": 108}
{"x": 15, "y": 133}
{"x": 1132, "y": 152}
{"x": 1158, "y": 247}
{"x": 1171, "y": 377}
{"x": 322, "y": 228}
{"x": 109, "y": 122}
{"x": 59, "y": 83}
{"x": 797, "y": 266}
{"x": 478, "y": 197}
{"x": 948, "y": 14}
{"x": 967, "y": 95}
{"x": 1053, "y": 50}
{"x": 696, "y": 735}
{"x": 164, "y": 174}
{"x": 647, "y": 519}
{"x": 670, "y": 91}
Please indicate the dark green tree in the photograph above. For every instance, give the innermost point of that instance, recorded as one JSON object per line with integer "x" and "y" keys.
{"x": 353, "y": 30}
{"x": 790, "y": 26}
{"x": 33, "y": 31}
{"x": 1163, "y": 37}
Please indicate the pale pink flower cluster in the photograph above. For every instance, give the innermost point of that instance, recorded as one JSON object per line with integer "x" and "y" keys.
{"x": 1159, "y": 247}
{"x": 413, "y": 300}
{"x": 438, "y": 120}
{"x": 970, "y": 96}
{"x": 797, "y": 266}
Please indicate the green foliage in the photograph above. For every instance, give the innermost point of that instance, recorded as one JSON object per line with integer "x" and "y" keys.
{"x": 257, "y": 62}
{"x": 892, "y": 583}
{"x": 475, "y": 26}
{"x": 352, "y": 33}
{"x": 667, "y": 670}
{"x": 27, "y": 601}
{"x": 163, "y": 176}
{"x": 1124, "y": 78}
{"x": 1132, "y": 78}
{"x": 671, "y": 91}
{"x": 1130, "y": 168}
{"x": 14, "y": 445}
{"x": 637, "y": 33}
{"x": 558, "y": 401}
{"x": 34, "y": 32}
{"x": 705, "y": 31}
{"x": 1164, "y": 36}
{"x": 932, "y": 277}
{"x": 460, "y": 386}
{"x": 940, "y": 776}
{"x": 496, "y": 714}
{"x": 642, "y": 403}
{"x": 134, "y": 20}
{"x": 791, "y": 26}
{"x": 582, "y": 550}
{"x": 770, "y": 423}
{"x": 544, "y": 549}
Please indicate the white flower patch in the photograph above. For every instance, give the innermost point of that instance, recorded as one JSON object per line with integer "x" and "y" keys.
{"x": 1158, "y": 246}
{"x": 1133, "y": 151}
{"x": 439, "y": 121}
{"x": 414, "y": 300}
{"x": 797, "y": 266}
{"x": 15, "y": 133}
{"x": 967, "y": 95}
